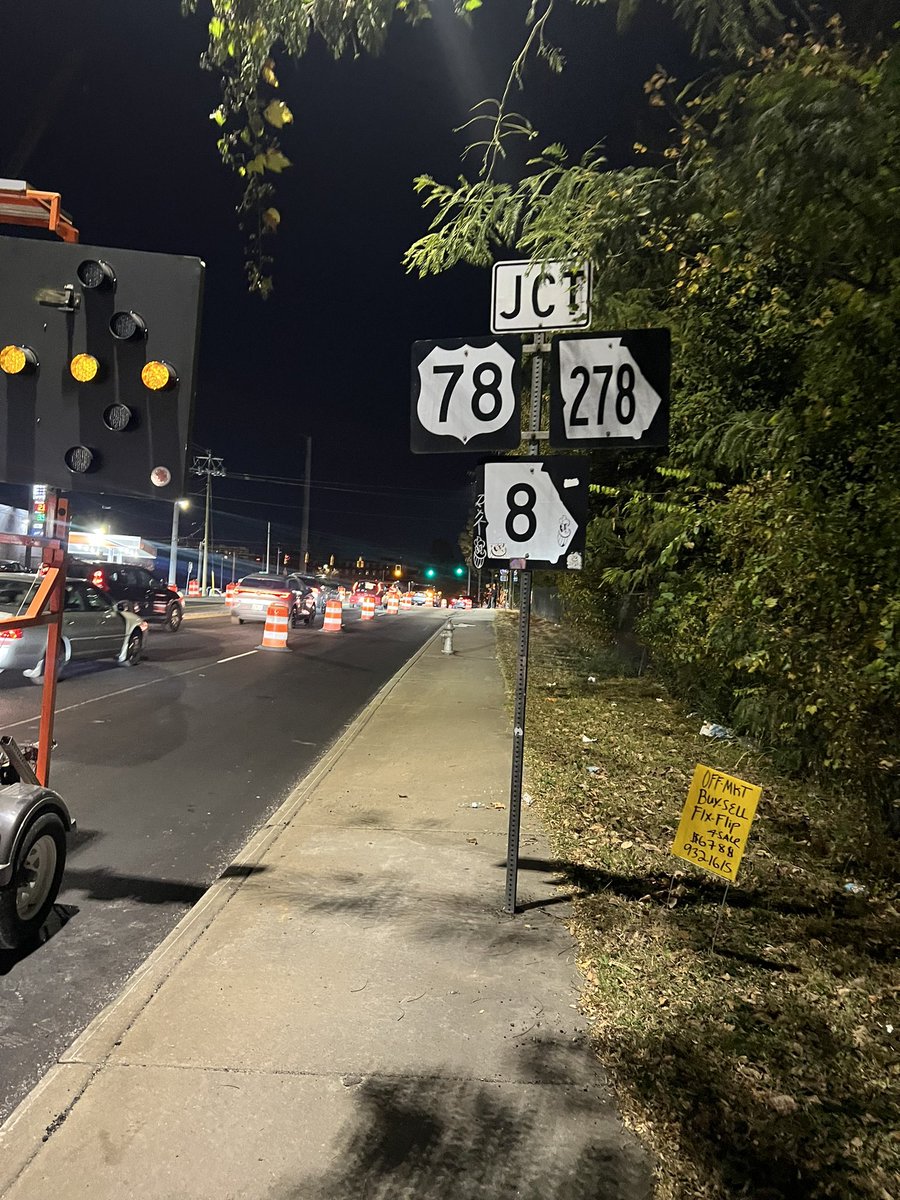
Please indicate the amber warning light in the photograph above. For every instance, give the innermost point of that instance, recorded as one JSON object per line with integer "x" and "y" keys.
{"x": 17, "y": 360}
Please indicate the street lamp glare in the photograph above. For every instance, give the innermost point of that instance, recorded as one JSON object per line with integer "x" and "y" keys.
{"x": 184, "y": 504}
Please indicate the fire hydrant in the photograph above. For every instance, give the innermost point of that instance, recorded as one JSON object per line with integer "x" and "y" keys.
{"x": 447, "y": 640}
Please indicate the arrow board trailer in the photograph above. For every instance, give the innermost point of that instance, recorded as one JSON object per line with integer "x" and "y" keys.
{"x": 527, "y": 297}
{"x": 531, "y": 514}
{"x": 465, "y": 395}
{"x": 611, "y": 389}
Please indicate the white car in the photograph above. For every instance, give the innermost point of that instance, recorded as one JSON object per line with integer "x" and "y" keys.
{"x": 92, "y": 627}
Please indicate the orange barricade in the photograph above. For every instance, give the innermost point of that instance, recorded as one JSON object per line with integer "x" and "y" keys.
{"x": 229, "y": 594}
{"x": 333, "y": 617}
{"x": 275, "y": 634}
{"x": 468, "y": 602}
{"x": 193, "y": 587}
{"x": 406, "y": 601}
{"x": 367, "y": 608}
{"x": 393, "y": 604}
{"x": 443, "y": 604}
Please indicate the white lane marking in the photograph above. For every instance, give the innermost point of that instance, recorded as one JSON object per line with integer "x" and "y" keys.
{"x": 234, "y": 656}
{"x": 121, "y": 692}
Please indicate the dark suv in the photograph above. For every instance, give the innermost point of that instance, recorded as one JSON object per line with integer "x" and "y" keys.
{"x": 144, "y": 593}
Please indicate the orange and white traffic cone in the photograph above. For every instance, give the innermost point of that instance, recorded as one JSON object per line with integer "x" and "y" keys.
{"x": 393, "y": 604}
{"x": 275, "y": 634}
{"x": 333, "y": 617}
{"x": 367, "y": 608}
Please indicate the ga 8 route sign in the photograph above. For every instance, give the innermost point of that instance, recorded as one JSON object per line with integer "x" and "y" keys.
{"x": 465, "y": 395}
{"x": 531, "y": 512}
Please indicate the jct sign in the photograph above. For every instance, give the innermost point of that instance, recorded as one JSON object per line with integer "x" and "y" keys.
{"x": 528, "y": 297}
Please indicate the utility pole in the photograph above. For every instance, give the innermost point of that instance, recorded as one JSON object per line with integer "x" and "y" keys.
{"x": 304, "y": 535}
{"x": 268, "y": 543}
{"x": 209, "y": 466}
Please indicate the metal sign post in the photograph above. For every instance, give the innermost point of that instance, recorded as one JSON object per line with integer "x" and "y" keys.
{"x": 517, "y": 771}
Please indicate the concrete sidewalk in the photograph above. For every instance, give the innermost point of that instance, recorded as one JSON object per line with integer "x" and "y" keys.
{"x": 348, "y": 1013}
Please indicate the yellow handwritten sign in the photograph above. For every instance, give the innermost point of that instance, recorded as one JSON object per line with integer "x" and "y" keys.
{"x": 715, "y": 821}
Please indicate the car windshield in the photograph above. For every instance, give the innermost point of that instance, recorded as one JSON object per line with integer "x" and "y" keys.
{"x": 261, "y": 583}
{"x": 15, "y": 594}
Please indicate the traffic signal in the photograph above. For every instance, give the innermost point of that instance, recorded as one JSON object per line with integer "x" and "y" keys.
{"x": 459, "y": 571}
{"x": 430, "y": 572}
{"x": 98, "y": 352}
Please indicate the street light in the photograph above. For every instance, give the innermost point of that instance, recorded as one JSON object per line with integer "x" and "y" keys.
{"x": 173, "y": 545}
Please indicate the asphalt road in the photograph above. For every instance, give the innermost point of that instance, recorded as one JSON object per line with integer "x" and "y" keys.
{"x": 168, "y": 768}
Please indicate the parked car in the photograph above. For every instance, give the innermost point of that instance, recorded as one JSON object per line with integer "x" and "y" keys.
{"x": 253, "y": 594}
{"x": 145, "y": 593}
{"x": 92, "y": 627}
{"x": 11, "y": 564}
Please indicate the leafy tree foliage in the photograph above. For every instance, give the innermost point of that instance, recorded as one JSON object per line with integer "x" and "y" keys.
{"x": 246, "y": 37}
{"x": 764, "y": 549}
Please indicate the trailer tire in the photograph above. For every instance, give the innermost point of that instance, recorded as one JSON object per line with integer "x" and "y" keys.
{"x": 38, "y": 869}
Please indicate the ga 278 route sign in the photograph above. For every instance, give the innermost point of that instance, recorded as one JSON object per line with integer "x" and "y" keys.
{"x": 531, "y": 514}
{"x": 610, "y": 389}
{"x": 465, "y": 395}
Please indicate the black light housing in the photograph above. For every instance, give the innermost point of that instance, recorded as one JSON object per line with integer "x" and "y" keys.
{"x": 127, "y": 326}
{"x": 94, "y": 273}
{"x": 79, "y": 459}
{"x": 117, "y": 417}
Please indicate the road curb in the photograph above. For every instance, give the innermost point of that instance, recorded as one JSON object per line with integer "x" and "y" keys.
{"x": 48, "y": 1105}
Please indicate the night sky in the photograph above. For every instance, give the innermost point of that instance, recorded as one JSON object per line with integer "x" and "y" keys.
{"x": 105, "y": 102}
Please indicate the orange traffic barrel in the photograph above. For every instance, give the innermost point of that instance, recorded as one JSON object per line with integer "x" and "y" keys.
{"x": 468, "y": 602}
{"x": 229, "y": 594}
{"x": 333, "y": 616}
{"x": 275, "y": 634}
{"x": 367, "y": 608}
{"x": 393, "y": 604}
{"x": 406, "y": 601}
{"x": 443, "y": 604}
{"x": 193, "y": 587}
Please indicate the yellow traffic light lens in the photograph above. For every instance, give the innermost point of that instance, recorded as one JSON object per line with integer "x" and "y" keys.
{"x": 17, "y": 360}
{"x": 158, "y": 375}
{"x": 84, "y": 367}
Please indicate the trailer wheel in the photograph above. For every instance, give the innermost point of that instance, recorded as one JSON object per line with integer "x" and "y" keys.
{"x": 37, "y": 873}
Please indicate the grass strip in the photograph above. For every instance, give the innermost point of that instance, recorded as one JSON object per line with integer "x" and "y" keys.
{"x": 766, "y": 1067}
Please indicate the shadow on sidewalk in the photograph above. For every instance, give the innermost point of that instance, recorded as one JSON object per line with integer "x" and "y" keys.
{"x": 442, "y": 1138}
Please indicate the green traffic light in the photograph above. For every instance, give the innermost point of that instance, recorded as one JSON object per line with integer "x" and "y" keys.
{"x": 430, "y": 573}
{"x": 459, "y": 571}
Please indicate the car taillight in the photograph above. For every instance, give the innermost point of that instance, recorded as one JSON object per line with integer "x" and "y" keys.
{"x": 282, "y": 595}
{"x": 98, "y": 579}
{"x": 173, "y": 588}
{"x": 12, "y": 634}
